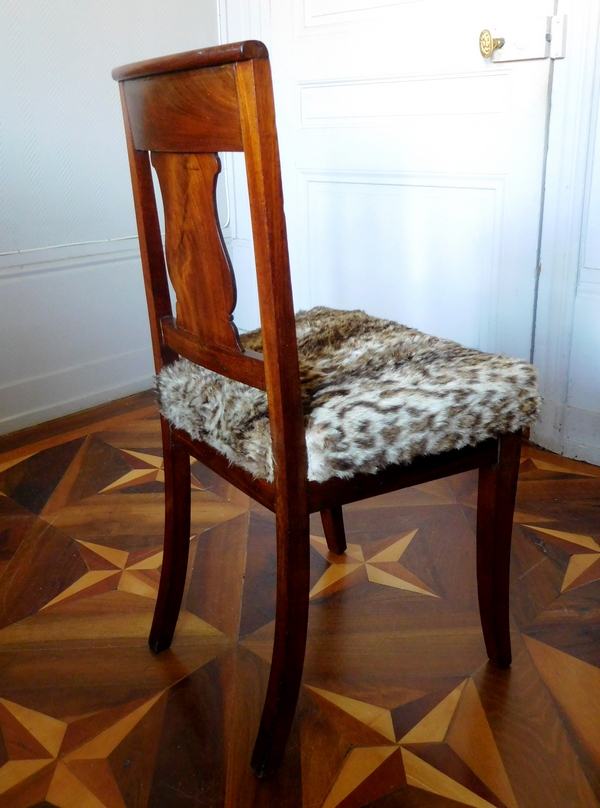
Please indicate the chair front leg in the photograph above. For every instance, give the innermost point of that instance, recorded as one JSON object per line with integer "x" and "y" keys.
{"x": 495, "y": 511}
{"x": 177, "y": 541}
{"x": 289, "y": 644}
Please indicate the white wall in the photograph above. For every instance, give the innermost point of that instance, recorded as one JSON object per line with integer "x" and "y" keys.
{"x": 567, "y": 348}
{"x": 73, "y": 322}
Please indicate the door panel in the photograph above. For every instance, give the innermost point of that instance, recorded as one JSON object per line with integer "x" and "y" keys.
{"x": 412, "y": 167}
{"x": 421, "y": 242}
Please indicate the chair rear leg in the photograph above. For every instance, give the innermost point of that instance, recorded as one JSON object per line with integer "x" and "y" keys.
{"x": 495, "y": 511}
{"x": 289, "y": 643}
{"x": 333, "y": 525}
{"x": 177, "y": 541}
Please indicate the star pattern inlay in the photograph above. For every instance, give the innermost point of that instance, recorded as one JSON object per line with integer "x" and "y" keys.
{"x": 379, "y": 565}
{"x": 76, "y": 754}
{"x": 390, "y": 714}
{"x": 147, "y": 468}
{"x": 435, "y": 754}
{"x": 110, "y": 569}
{"x": 584, "y": 565}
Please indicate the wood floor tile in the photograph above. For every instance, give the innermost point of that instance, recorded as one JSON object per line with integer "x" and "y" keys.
{"x": 69, "y": 427}
{"x": 116, "y": 615}
{"x": 93, "y": 780}
{"x": 46, "y": 563}
{"x": 258, "y": 605}
{"x": 133, "y": 761}
{"x": 545, "y": 460}
{"x": 20, "y": 743}
{"x": 361, "y": 723}
{"x": 47, "y": 733}
{"x": 217, "y": 581}
{"x": 15, "y": 524}
{"x": 418, "y": 707}
{"x": 365, "y": 776}
{"x": 119, "y": 513}
{"x": 436, "y": 769}
{"x": 399, "y": 707}
{"x": 25, "y": 783}
{"x": 434, "y": 725}
{"x": 323, "y": 749}
{"x": 101, "y": 464}
{"x": 541, "y": 765}
{"x": 409, "y": 797}
{"x": 471, "y": 738}
{"x": 141, "y": 433}
{"x": 32, "y": 482}
{"x": 572, "y": 624}
{"x": 250, "y": 681}
{"x": 191, "y": 754}
{"x": 576, "y": 687}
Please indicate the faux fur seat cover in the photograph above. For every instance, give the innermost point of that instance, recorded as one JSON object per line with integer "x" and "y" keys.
{"x": 374, "y": 393}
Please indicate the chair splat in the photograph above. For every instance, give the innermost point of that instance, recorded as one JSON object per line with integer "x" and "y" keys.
{"x": 197, "y": 260}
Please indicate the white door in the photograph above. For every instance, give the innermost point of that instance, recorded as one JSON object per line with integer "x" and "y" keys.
{"x": 412, "y": 166}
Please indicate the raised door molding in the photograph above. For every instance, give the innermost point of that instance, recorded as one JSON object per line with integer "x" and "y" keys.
{"x": 464, "y": 212}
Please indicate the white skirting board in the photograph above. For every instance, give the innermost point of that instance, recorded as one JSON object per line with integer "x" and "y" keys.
{"x": 73, "y": 329}
{"x": 568, "y": 431}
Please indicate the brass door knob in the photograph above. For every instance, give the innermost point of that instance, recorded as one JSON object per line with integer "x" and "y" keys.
{"x": 487, "y": 43}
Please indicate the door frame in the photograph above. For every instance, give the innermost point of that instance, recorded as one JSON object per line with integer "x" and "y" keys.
{"x": 574, "y": 104}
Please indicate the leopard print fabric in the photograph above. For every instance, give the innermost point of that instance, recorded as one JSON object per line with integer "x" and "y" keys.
{"x": 374, "y": 393}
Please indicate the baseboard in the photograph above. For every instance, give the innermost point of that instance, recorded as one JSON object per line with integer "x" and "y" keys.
{"x": 577, "y": 451}
{"x": 87, "y": 385}
{"x": 568, "y": 431}
{"x": 73, "y": 329}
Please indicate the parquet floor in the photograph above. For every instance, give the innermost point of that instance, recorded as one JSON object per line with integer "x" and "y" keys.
{"x": 398, "y": 709}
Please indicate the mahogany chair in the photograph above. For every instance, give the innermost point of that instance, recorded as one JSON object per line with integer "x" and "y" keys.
{"x": 179, "y": 112}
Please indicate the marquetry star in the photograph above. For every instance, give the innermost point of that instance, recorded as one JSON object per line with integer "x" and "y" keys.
{"x": 146, "y": 468}
{"x": 75, "y": 762}
{"x": 109, "y": 569}
{"x": 584, "y": 565}
{"x": 379, "y": 564}
{"x": 427, "y": 744}
{"x": 531, "y": 463}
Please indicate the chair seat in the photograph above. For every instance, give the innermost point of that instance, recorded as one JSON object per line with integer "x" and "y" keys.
{"x": 374, "y": 393}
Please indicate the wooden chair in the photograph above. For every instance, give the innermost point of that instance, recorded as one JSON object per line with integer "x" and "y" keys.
{"x": 179, "y": 112}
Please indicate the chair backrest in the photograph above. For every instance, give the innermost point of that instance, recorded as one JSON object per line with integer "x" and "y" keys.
{"x": 180, "y": 111}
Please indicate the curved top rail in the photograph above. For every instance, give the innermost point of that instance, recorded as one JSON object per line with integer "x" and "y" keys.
{"x": 188, "y": 60}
